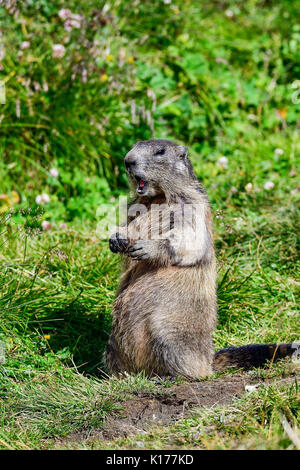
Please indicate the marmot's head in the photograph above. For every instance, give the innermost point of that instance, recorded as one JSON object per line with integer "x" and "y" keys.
{"x": 156, "y": 166}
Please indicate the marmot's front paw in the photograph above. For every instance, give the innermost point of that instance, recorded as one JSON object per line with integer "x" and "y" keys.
{"x": 117, "y": 244}
{"x": 142, "y": 249}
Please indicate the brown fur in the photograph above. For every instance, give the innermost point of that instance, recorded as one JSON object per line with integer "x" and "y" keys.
{"x": 166, "y": 309}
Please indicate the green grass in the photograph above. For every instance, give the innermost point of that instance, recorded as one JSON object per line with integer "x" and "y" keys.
{"x": 220, "y": 84}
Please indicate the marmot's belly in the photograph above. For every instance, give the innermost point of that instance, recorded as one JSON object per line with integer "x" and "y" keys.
{"x": 164, "y": 288}
{"x": 162, "y": 304}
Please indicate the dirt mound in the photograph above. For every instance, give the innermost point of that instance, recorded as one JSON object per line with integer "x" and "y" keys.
{"x": 169, "y": 404}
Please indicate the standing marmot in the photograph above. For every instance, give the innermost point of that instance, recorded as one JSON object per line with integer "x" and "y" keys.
{"x": 165, "y": 310}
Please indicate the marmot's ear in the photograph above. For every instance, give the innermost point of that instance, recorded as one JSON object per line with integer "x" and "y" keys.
{"x": 182, "y": 151}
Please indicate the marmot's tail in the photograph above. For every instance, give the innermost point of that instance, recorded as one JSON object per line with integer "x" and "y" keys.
{"x": 252, "y": 355}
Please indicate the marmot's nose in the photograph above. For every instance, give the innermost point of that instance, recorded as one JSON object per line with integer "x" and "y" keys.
{"x": 130, "y": 162}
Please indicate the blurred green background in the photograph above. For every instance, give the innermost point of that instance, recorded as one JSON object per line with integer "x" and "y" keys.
{"x": 85, "y": 80}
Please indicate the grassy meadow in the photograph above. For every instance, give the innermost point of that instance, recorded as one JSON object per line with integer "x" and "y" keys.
{"x": 82, "y": 82}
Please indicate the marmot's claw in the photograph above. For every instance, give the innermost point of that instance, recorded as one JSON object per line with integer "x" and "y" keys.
{"x": 141, "y": 249}
{"x": 117, "y": 244}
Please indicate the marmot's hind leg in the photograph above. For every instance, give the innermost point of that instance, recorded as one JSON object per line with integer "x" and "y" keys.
{"x": 112, "y": 358}
{"x": 180, "y": 360}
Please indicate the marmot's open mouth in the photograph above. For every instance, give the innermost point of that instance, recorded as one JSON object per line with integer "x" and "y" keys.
{"x": 142, "y": 186}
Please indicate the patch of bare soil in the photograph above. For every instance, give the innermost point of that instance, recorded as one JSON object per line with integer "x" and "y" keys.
{"x": 168, "y": 405}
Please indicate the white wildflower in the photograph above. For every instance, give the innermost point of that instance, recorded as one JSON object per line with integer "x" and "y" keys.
{"x": 249, "y": 187}
{"x": 223, "y": 161}
{"x": 54, "y": 172}
{"x": 58, "y": 50}
{"x": 46, "y": 225}
{"x": 269, "y": 185}
{"x": 37, "y": 86}
{"x": 75, "y": 24}
{"x": 84, "y": 76}
{"x": 234, "y": 190}
{"x": 68, "y": 26}
{"x": 64, "y": 13}
{"x": 76, "y": 17}
{"x": 229, "y": 13}
{"x": 278, "y": 151}
{"x": 43, "y": 198}
{"x": 24, "y": 45}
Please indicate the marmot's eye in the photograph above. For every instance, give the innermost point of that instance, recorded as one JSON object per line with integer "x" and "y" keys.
{"x": 160, "y": 152}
